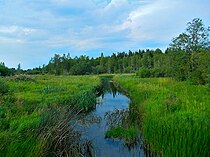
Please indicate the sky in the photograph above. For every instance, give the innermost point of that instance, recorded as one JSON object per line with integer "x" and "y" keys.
{"x": 32, "y": 31}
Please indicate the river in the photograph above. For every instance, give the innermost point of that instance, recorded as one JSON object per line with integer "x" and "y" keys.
{"x": 95, "y": 124}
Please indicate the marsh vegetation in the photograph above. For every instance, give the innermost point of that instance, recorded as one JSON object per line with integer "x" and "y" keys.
{"x": 175, "y": 115}
{"x": 35, "y": 112}
{"x": 168, "y": 93}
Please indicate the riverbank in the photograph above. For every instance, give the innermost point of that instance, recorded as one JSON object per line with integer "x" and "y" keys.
{"x": 35, "y": 111}
{"x": 175, "y": 115}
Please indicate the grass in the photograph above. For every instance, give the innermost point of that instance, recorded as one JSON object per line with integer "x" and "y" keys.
{"x": 121, "y": 126}
{"x": 129, "y": 135}
{"x": 175, "y": 115}
{"x": 35, "y": 111}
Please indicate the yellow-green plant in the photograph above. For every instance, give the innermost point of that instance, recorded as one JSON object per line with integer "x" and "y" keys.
{"x": 175, "y": 115}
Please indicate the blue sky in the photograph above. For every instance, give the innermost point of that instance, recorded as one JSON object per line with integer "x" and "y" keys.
{"x": 32, "y": 31}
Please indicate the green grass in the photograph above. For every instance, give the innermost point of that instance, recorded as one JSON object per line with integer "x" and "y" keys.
{"x": 175, "y": 115}
{"x": 129, "y": 135}
{"x": 31, "y": 107}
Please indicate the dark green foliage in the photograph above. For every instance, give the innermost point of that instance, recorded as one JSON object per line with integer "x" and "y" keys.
{"x": 200, "y": 67}
{"x": 209, "y": 81}
{"x": 4, "y": 71}
{"x": 144, "y": 73}
{"x": 194, "y": 39}
{"x": 157, "y": 72}
{"x": 186, "y": 59}
{"x": 179, "y": 66}
{"x": 4, "y": 87}
{"x": 147, "y": 59}
{"x": 81, "y": 68}
{"x": 35, "y": 71}
{"x": 4, "y": 121}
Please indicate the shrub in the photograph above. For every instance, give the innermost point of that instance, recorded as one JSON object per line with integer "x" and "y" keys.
{"x": 4, "y": 71}
{"x": 156, "y": 72}
{"x": 197, "y": 78}
{"x": 143, "y": 73}
{"x": 4, "y": 87}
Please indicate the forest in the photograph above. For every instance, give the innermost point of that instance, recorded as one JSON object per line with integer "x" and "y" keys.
{"x": 167, "y": 96}
{"x": 186, "y": 58}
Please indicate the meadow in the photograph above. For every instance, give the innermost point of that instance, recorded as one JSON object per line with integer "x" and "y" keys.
{"x": 35, "y": 112}
{"x": 174, "y": 115}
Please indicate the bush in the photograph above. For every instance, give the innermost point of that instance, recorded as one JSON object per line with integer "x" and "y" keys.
{"x": 4, "y": 71}
{"x": 4, "y": 87}
{"x": 144, "y": 73}
{"x": 197, "y": 78}
{"x": 157, "y": 73}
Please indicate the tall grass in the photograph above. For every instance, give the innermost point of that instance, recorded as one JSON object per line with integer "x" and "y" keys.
{"x": 4, "y": 88}
{"x": 175, "y": 115}
{"x": 120, "y": 126}
{"x": 35, "y": 112}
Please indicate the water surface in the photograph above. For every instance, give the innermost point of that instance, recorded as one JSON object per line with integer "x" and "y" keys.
{"x": 94, "y": 126}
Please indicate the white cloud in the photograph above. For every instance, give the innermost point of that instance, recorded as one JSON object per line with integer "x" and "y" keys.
{"x": 42, "y": 27}
{"x": 144, "y": 21}
{"x": 14, "y": 29}
{"x": 160, "y": 20}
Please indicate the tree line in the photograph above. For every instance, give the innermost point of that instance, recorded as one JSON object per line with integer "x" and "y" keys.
{"x": 186, "y": 58}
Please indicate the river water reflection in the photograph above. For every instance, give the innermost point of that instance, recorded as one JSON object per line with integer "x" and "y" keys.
{"x": 94, "y": 125}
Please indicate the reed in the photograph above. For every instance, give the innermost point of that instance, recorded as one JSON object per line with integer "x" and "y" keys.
{"x": 175, "y": 115}
{"x": 35, "y": 112}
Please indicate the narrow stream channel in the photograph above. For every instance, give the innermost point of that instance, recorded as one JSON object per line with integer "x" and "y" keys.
{"x": 95, "y": 124}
